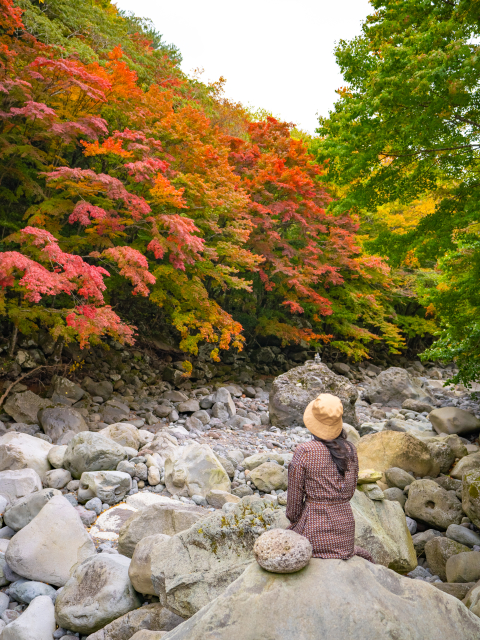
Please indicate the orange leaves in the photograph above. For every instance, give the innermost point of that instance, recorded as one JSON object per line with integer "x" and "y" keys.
{"x": 165, "y": 194}
{"x": 10, "y": 16}
{"x": 110, "y": 145}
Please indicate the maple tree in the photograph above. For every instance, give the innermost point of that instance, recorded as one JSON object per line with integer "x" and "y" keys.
{"x": 155, "y": 187}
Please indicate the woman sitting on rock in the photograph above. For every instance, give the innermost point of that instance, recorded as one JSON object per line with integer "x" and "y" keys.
{"x": 322, "y": 478}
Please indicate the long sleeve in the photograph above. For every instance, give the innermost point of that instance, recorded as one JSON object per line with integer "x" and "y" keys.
{"x": 296, "y": 488}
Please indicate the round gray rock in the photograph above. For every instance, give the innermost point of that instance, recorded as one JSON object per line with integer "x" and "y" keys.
{"x": 463, "y": 535}
{"x": 27, "y": 590}
{"x": 92, "y": 452}
{"x": 58, "y": 420}
{"x": 282, "y": 551}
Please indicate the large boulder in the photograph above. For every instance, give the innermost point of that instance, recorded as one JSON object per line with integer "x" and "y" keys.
{"x": 140, "y": 570}
{"x": 453, "y": 420}
{"x": 429, "y": 502}
{"x": 157, "y": 518}
{"x": 330, "y": 600}
{"x": 64, "y": 391}
{"x": 24, "y": 407}
{"x": 381, "y": 528}
{"x": 123, "y": 434}
{"x": 25, "y": 509}
{"x": 295, "y": 389}
{"x": 98, "y": 592}
{"x": 37, "y": 621}
{"x": 151, "y": 617}
{"x": 195, "y": 470}
{"x": 393, "y": 386}
{"x": 21, "y": 451}
{"x": 49, "y": 546}
{"x": 56, "y": 421}
{"x": 386, "y": 449}
{"x": 110, "y": 486}
{"x": 16, "y": 484}
{"x": 92, "y": 452}
{"x": 471, "y": 496}
{"x": 196, "y": 565}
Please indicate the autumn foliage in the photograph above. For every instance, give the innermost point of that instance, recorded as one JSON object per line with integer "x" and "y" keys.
{"x": 119, "y": 174}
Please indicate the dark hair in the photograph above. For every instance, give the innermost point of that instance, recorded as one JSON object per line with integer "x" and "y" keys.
{"x": 340, "y": 451}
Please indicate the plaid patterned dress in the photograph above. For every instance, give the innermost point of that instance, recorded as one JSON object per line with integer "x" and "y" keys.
{"x": 318, "y": 503}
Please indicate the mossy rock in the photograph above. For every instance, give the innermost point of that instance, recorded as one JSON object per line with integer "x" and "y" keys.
{"x": 471, "y": 496}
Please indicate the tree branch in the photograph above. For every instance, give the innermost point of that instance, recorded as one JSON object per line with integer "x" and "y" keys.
{"x": 389, "y": 154}
{"x": 43, "y": 366}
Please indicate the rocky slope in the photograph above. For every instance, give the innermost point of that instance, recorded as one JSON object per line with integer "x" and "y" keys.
{"x": 132, "y": 496}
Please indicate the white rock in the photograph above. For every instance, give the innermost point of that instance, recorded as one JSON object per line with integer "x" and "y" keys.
{"x": 51, "y": 544}
{"x": 195, "y": 470}
{"x": 153, "y": 476}
{"x": 330, "y": 600}
{"x": 352, "y": 434}
{"x": 57, "y": 478}
{"x": 56, "y": 455}
{"x": 21, "y": 451}
{"x": 24, "y": 510}
{"x": 142, "y": 500}
{"x": 123, "y": 433}
{"x": 98, "y": 592}
{"x": 109, "y": 486}
{"x": 145, "y": 437}
{"x": 223, "y": 395}
{"x": 140, "y": 571}
{"x": 37, "y": 622}
{"x": 108, "y": 524}
{"x": 16, "y": 484}
{"x": 381, "y": 528}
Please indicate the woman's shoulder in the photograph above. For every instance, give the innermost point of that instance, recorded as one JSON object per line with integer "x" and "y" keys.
{"x": 313, "y": 446}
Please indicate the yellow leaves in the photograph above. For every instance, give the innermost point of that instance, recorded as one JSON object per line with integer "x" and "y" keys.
{"x": 430, "y": 310}
{"x": 401, "y": 218}
{"x": 442, "y": 287}
{"x": 187, "y": 367}
{"x": 411, "y": 261}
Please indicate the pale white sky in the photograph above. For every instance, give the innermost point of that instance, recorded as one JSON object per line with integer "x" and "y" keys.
{"x": 275, "y": 54}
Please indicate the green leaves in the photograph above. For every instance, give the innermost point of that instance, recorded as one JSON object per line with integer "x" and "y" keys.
{"x": 407, "y": 127}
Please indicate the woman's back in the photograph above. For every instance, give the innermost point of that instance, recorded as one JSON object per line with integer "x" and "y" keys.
{"x": 322, "y": 480}
{"x": 318, "y": 499}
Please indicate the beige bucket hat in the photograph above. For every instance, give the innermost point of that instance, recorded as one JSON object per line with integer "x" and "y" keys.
{"x": 323, "y": 417}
